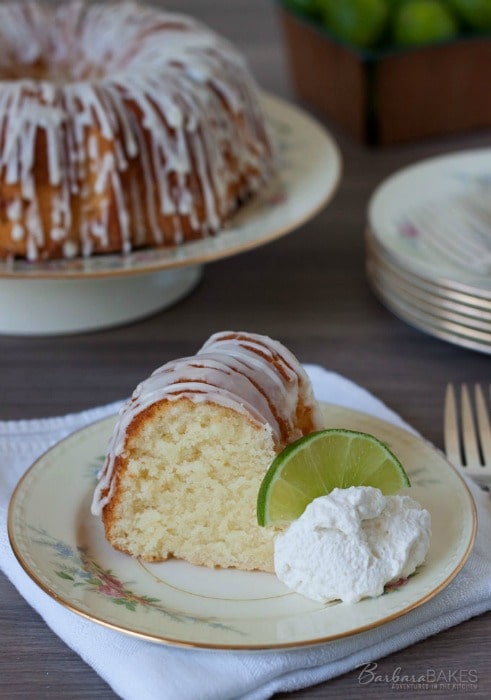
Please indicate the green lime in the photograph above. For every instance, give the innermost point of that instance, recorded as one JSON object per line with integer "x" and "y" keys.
{"x": 476, "y": 14}
{"x": 423, "y": 22}
{"x": 320, "y": 462}
{"x": 306, "y": 7}
{"x": 359, "y": 22}
{"x": 394, "y": 4}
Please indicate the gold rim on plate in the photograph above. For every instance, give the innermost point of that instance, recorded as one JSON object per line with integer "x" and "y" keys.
{"x": 436, "y": 326}
{"x": 432, "y": 286}
{"x": 431, "y": 304}
{"x": 468, "y": 303}
{"x": 430, "y": 219}
{"x": 62, "y": 547}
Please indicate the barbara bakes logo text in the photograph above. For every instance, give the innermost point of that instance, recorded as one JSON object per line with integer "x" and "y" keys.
{"x": 430, "y": 679}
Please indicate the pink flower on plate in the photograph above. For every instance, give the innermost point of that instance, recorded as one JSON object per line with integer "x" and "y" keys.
{"x": 113, "y": 589}
{"x": 408, "y": 230}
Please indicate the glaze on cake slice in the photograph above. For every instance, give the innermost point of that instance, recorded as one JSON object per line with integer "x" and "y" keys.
{"x": 191, "y": 447}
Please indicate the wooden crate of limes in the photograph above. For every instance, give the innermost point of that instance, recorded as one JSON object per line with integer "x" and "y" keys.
{"x": 390, "y": 71}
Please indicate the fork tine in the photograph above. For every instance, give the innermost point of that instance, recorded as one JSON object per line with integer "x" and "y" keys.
{"x": 484, "y": 424}
{"x": 469, "y": 436}
{"x": 450, "y": 426}
{"x": 467, "y": 432}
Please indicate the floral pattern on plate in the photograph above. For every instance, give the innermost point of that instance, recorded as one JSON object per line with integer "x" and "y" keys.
{"x": 433, "y": 219}
{"x": 78, "y": 567}
{"x": 173, "y": 602}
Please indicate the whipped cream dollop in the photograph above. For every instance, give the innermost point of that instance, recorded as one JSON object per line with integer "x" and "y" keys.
{"x": 349, "y": 544}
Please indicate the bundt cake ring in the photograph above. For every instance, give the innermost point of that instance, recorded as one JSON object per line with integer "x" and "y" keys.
{"x": 121, "y": 126}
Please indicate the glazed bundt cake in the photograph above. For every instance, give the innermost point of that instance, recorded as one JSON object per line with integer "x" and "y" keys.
{"x": 191, "y": 447}
{"x": 121, "y": 126}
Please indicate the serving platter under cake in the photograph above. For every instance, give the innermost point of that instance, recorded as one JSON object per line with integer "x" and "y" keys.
{"x": 72, "y": 296}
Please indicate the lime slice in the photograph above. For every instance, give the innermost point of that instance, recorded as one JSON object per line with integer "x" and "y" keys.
{"x": 320, "y": 462}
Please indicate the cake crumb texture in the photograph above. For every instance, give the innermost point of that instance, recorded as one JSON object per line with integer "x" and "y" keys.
{"x": 190, "y": 486}
{"x": 191, "y": 447}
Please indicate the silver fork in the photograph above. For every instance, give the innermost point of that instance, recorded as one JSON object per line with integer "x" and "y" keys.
{"x": 467, "y": 432}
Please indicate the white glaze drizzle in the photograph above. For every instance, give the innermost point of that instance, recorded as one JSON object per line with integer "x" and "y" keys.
{"x": 247, "y": 373}
{"x": 129, "y": 82}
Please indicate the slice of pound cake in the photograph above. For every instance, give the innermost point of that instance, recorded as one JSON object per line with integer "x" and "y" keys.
{"x": 191, "y": 447}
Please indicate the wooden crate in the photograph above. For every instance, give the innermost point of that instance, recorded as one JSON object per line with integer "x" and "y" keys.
{"x": 386, "y": 97}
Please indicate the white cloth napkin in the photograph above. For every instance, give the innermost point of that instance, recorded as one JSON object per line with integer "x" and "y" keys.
{"x": 139, "y": 670}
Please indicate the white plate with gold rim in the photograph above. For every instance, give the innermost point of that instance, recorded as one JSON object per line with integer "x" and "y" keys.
{"x": 467, "y": 300}
{"x": 70, "y": 296}
{"x": 431, "y": 304}
{"x": 433, "y": 219}
{"x": 62, "y": 548}
{"x": 438, "y": 324}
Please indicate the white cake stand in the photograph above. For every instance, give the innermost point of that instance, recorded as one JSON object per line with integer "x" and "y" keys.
{"x": 72, "y": 296}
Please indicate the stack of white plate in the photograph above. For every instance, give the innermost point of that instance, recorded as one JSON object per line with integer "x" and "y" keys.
{"x": 429, "y": 247}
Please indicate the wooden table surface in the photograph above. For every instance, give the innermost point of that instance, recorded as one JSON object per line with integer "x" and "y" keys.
{"x": 307, "y": 289}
